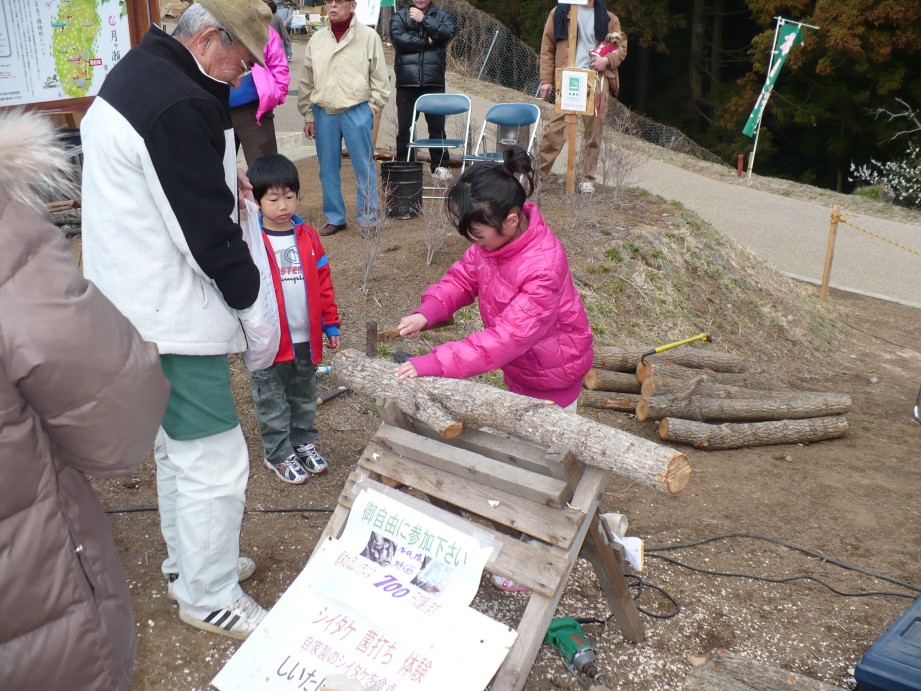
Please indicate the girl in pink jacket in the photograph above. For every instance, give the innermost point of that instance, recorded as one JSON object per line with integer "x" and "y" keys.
{"x": 536, "y": 331}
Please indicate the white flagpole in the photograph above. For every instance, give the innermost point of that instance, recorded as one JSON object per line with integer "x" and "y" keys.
{"x": 751, "y": 156}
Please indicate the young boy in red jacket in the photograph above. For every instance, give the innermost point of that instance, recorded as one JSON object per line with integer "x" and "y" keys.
{"x": 285, "y": 393}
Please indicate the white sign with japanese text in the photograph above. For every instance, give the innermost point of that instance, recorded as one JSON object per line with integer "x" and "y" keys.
{"x": 52, "y": 50}
{"x": 386, "y": 605}
{"x": 368, "y": 11}
{"x": 574, "y": 91}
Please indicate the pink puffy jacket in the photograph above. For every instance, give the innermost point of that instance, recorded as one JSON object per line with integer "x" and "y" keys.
{"x": 273, "y": 79}
{"x": 536, "y": 331}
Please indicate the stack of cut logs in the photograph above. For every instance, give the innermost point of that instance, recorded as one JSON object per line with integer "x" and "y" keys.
{"x": 705, "y": 398}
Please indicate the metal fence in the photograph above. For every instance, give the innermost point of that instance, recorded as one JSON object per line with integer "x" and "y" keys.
{"x": 485, "y": 48}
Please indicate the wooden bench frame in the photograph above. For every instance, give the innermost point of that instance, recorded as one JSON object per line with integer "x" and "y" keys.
{"x": 519, "y": 488}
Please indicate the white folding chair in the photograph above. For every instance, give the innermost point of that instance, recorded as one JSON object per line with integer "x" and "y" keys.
{"x": 446, "y": 105}
{"x": 515, "y": 123}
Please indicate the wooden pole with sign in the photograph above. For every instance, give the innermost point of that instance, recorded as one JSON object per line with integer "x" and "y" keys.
{"x": 571, "y": 119}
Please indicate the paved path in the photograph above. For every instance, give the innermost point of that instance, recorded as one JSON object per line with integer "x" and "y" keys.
{"x": 789, "y": 233}
{"x": 793, "y": 235}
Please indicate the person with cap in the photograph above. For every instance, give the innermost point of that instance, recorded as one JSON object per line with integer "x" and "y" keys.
{"x": 420, "y": 34}
{"x": 594, "y": 24}
{"x": 343, "y": 85}
{"x": 161, "y": 240}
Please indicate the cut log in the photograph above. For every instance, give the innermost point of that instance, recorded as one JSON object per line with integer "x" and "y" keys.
{"x": 606, "y": 380}
{"x": 725, "y": 671}
{"x": 702, "y": 409}
{"x": 620, "y": 359}
{"x": 739, "y": 435}
{"x": 664, "y": 369}
{"x": 702, "y": 387}
{"x": 448, "y": 404}
{"x": 610, "y": 400}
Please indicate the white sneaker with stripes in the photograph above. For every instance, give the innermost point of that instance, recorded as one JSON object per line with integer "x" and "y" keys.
{"x": 246, "y": 567}
{"x": 238, "y": 620}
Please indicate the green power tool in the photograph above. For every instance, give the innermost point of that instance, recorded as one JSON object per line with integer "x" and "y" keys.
{"x": 565, "y": 634}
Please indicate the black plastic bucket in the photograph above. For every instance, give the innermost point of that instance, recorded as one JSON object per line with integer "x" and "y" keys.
{"x": 402, "y": 188}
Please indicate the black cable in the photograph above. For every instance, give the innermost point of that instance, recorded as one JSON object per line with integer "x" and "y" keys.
{"x": 788, "y": 545}
{"x": 788, "y": 579}
{"x": 154, "y": 508}
{"x": 878, "y": 338}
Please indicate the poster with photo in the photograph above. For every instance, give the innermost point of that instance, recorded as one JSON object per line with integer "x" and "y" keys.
{"x": 387, "y": 605}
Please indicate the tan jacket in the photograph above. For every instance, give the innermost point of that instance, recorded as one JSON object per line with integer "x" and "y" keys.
{"x": 555, "y": 54}
{"x": 80, "y": 392}
{"x": 340, "y": 75}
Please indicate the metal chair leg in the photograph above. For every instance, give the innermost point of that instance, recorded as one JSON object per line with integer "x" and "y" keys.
{"x": 917, "y": 411}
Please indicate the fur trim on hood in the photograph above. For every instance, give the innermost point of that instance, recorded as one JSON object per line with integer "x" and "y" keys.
{"x": 33, "y": 159}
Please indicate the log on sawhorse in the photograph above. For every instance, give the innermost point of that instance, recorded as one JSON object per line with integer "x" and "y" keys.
{"x": 519, "y": 488}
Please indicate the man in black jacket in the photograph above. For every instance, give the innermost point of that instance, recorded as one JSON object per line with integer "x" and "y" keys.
{"x": 420, "y": 35}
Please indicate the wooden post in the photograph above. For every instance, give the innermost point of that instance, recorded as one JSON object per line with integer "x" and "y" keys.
{"x": 830, "y": 251}
{"x": 741, "y": 164}
{"x": 371, "y": 339}
{"x": 571, "y": 120}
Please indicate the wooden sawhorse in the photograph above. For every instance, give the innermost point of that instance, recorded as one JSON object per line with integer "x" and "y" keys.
{"x": 519, "y": 488}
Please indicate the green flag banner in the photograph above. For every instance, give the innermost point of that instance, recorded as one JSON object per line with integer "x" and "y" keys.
{"x": 788, "y": 37}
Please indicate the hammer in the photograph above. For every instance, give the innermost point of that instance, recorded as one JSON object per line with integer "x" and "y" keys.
{"x": 643, "y": 365}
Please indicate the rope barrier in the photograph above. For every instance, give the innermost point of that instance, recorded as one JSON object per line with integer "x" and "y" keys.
{"x": 839, "y": 218}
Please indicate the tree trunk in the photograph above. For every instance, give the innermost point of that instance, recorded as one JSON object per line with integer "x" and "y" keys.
{"x": 621, "y": 359}
{"x": 736, "y": 436}
{"x": 703, "y": 386}
{"x": 624, "y": 402}
{"x": 792, "y": 407}
{"x": 671, "y": 370}
{"x": 606, "y": 380}
{"x": 725, "y": 671}
{"x": 449, "y": 404}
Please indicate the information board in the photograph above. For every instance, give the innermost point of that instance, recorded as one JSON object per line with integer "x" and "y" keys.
{"x": 55, "y": 54}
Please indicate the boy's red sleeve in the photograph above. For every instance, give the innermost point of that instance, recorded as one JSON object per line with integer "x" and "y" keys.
{"x": 327, "y": 294}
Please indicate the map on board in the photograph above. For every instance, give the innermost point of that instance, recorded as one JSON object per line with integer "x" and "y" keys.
{"x": 59, "y": 49}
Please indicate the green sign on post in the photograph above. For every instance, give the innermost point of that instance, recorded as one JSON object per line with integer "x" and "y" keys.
{"x": 788, "y": 37}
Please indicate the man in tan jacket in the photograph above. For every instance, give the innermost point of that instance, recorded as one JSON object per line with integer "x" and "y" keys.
{"x": 344, "y": 84}
{"x": 594, "y": 24}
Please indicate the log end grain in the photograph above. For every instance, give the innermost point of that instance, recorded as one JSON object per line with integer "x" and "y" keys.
{"x": 677, "y": 474}
{"x": 591, "y": 379}
{"x": 643, "y": 370}
{"x": 642, "y": 410}
{"x": 649, "y": 386}
{"x": 453, "y": 430}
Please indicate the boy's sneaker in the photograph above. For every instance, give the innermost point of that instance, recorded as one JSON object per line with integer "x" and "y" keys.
{"x": 310, "y": 458}
{"x": 289, "y": 470}
{"x": 246, "y": 567}
{"x": 238, "y": 620}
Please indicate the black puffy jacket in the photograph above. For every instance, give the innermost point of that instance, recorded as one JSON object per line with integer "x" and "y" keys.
{"x": 417, "y": 62}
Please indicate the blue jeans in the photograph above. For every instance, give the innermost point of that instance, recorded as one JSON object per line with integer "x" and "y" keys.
{"x": 285, "y": 399}
{"x": 354, "y": 126}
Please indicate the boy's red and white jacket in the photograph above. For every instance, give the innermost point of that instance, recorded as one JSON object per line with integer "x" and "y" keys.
{"x": 318, "y": 292}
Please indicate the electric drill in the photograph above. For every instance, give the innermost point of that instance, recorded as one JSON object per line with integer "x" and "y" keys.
{"x": 565, "y": 634}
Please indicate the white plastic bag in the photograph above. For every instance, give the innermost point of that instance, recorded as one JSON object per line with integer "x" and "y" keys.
{"x": 261, "y": 322}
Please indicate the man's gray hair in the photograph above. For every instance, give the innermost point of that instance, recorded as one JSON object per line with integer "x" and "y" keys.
{"x": 196, "y": 18}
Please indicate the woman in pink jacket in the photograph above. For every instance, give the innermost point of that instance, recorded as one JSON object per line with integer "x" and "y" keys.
{"x": 259, "y": 93}
{"x": 536, "y": 331}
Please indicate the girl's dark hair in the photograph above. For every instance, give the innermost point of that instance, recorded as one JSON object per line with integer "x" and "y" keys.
{"x": 273, "y": 170}
{"x": 272, "y": 6}
{"x": 489, "y": 191}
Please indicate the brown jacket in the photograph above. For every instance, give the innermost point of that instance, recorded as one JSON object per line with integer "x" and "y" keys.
{"x": 80, "y": 392}
{"x": 555, "y": 54}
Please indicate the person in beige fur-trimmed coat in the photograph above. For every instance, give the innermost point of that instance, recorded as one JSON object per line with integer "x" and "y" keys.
{"x": 80, "y": 392}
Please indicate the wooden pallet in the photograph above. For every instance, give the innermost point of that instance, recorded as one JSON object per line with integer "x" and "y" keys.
{"x": 518, "y": 488}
